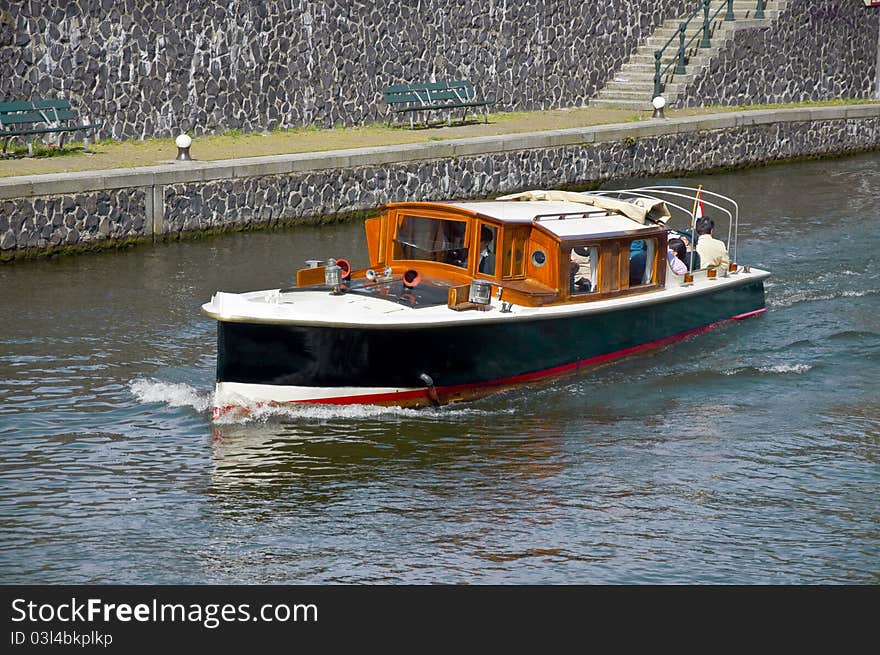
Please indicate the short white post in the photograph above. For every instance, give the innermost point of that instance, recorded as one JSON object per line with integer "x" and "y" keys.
{"x": 86, "y": 135}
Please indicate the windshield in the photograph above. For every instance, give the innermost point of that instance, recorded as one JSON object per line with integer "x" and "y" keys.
{"x": 432, "y": 239}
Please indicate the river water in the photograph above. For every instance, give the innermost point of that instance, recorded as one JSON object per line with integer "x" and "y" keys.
{"x": 748, "y": 454}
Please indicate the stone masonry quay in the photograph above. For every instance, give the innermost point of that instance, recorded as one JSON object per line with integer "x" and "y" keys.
{"x": 70, "y": 212}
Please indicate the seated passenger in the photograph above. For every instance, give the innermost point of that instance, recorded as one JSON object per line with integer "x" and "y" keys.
{"x": 638, "y": 258}
{"x": 487, "y": 255}
{"x": 677, "y": 254}
{"x": 580, "y": 269}
{"x": 712, "y": 251}
{"x": 456, "y": 257}
{"x": 685, "y": 236}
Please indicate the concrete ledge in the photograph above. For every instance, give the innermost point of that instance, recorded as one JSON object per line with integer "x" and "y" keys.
{"x": 860, "y": 111}
{"x": 189, "y": 172}
{"x": 699, "y": 123}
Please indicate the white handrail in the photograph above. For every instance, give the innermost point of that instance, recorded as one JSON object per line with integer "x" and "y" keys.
{"x": 674, "y": 191}
{"x": 733, "y": 224}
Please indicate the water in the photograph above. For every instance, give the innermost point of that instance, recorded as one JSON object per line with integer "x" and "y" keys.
{"x": 748, "y": 454}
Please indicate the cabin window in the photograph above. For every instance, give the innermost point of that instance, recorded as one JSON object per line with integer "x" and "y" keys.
{"x": 513, "y": 262}
{"x": 539, "y": 258}
{"x": 584, "y": 269}
{"x": 641, "y": 261}
{"x": 432, "y": 239}
{"x": 488, "y": 244}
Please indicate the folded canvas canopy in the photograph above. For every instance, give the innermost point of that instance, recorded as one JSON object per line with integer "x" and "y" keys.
{"x": 640, "y": 210}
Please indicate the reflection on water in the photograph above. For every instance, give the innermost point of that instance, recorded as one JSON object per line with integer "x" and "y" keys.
{"x": 292, "y": 455}
{"x": 744, "y": 455}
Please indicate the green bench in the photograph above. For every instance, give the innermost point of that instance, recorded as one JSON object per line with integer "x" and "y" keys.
{"x": 434, "y": 96}
{"x": 20, "y": 119}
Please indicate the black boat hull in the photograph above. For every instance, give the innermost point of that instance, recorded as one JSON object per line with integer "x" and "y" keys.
{"x": 418, "y": 366}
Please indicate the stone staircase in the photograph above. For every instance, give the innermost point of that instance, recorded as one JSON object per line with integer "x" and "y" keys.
{"x": 633, "y": 85}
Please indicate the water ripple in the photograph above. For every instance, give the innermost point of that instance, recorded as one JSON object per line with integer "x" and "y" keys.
{"x": 746, "y": 455}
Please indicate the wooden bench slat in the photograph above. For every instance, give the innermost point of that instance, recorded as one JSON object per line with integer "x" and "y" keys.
{"x": 18, "y": 131}
{"x": 16, "y": 105}
{"x": 36, "y": 116}
{"x": 62, "y": 115}
{"x": 16, "y": 119}
{"x": 478, "y": 103}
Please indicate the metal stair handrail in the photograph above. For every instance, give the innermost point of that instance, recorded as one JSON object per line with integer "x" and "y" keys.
{"x": 705, "y": 41}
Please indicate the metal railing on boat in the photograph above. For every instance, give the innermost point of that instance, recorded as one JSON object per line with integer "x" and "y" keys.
{"x": 665, "y": 192}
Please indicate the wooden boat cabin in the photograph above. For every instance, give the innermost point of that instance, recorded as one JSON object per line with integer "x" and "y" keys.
{"x": 535, "y": 249}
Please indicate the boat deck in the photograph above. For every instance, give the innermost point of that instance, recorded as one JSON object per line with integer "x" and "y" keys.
{"x": 306, "y": 307}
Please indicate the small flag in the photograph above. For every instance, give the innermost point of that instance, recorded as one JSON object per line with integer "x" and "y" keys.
{"x": 698, "y": 209}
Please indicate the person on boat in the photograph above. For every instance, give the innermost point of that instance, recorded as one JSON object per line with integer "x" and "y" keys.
{"x": 638, "y": 259}
{"x": 580, "y": 269}
{"x": 686, "y": 237}
{"x": 712, "y": 251}
{"x": 487, "y": 256}
{"x": 677, "y": 255}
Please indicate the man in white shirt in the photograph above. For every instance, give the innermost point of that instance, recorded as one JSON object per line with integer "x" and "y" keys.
{"x": 712, "y": 251}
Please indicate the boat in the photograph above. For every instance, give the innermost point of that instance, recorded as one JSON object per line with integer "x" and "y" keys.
{"x": 464, "y": 298}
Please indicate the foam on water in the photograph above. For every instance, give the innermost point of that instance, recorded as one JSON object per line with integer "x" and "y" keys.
{"x": 318, "y": 412}
{"x": 171, "y": 394}
{"x": 775, "y": 368}
{"x": 799, "y": 296}
{"x": 785, "y": 368}
{"x": 184, "y": 395}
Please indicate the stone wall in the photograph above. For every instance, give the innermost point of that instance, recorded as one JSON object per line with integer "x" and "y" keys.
{"x": 816, "y": 50}
{"x": 154, "y": 67}
{"x": 72, "y": 220}
{"x": 36, "y": 218}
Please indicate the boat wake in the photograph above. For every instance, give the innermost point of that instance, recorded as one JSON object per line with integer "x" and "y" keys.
{"x": 773, "y": 369}
{"x": 174, "y": 394}
{"x": 317, "y": 412}
{"x": 171, "y": 394}
{"x": 801, "y": 296}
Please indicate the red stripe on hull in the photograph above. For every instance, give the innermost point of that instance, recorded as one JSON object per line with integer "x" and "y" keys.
{"x": 420, "y": 396}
